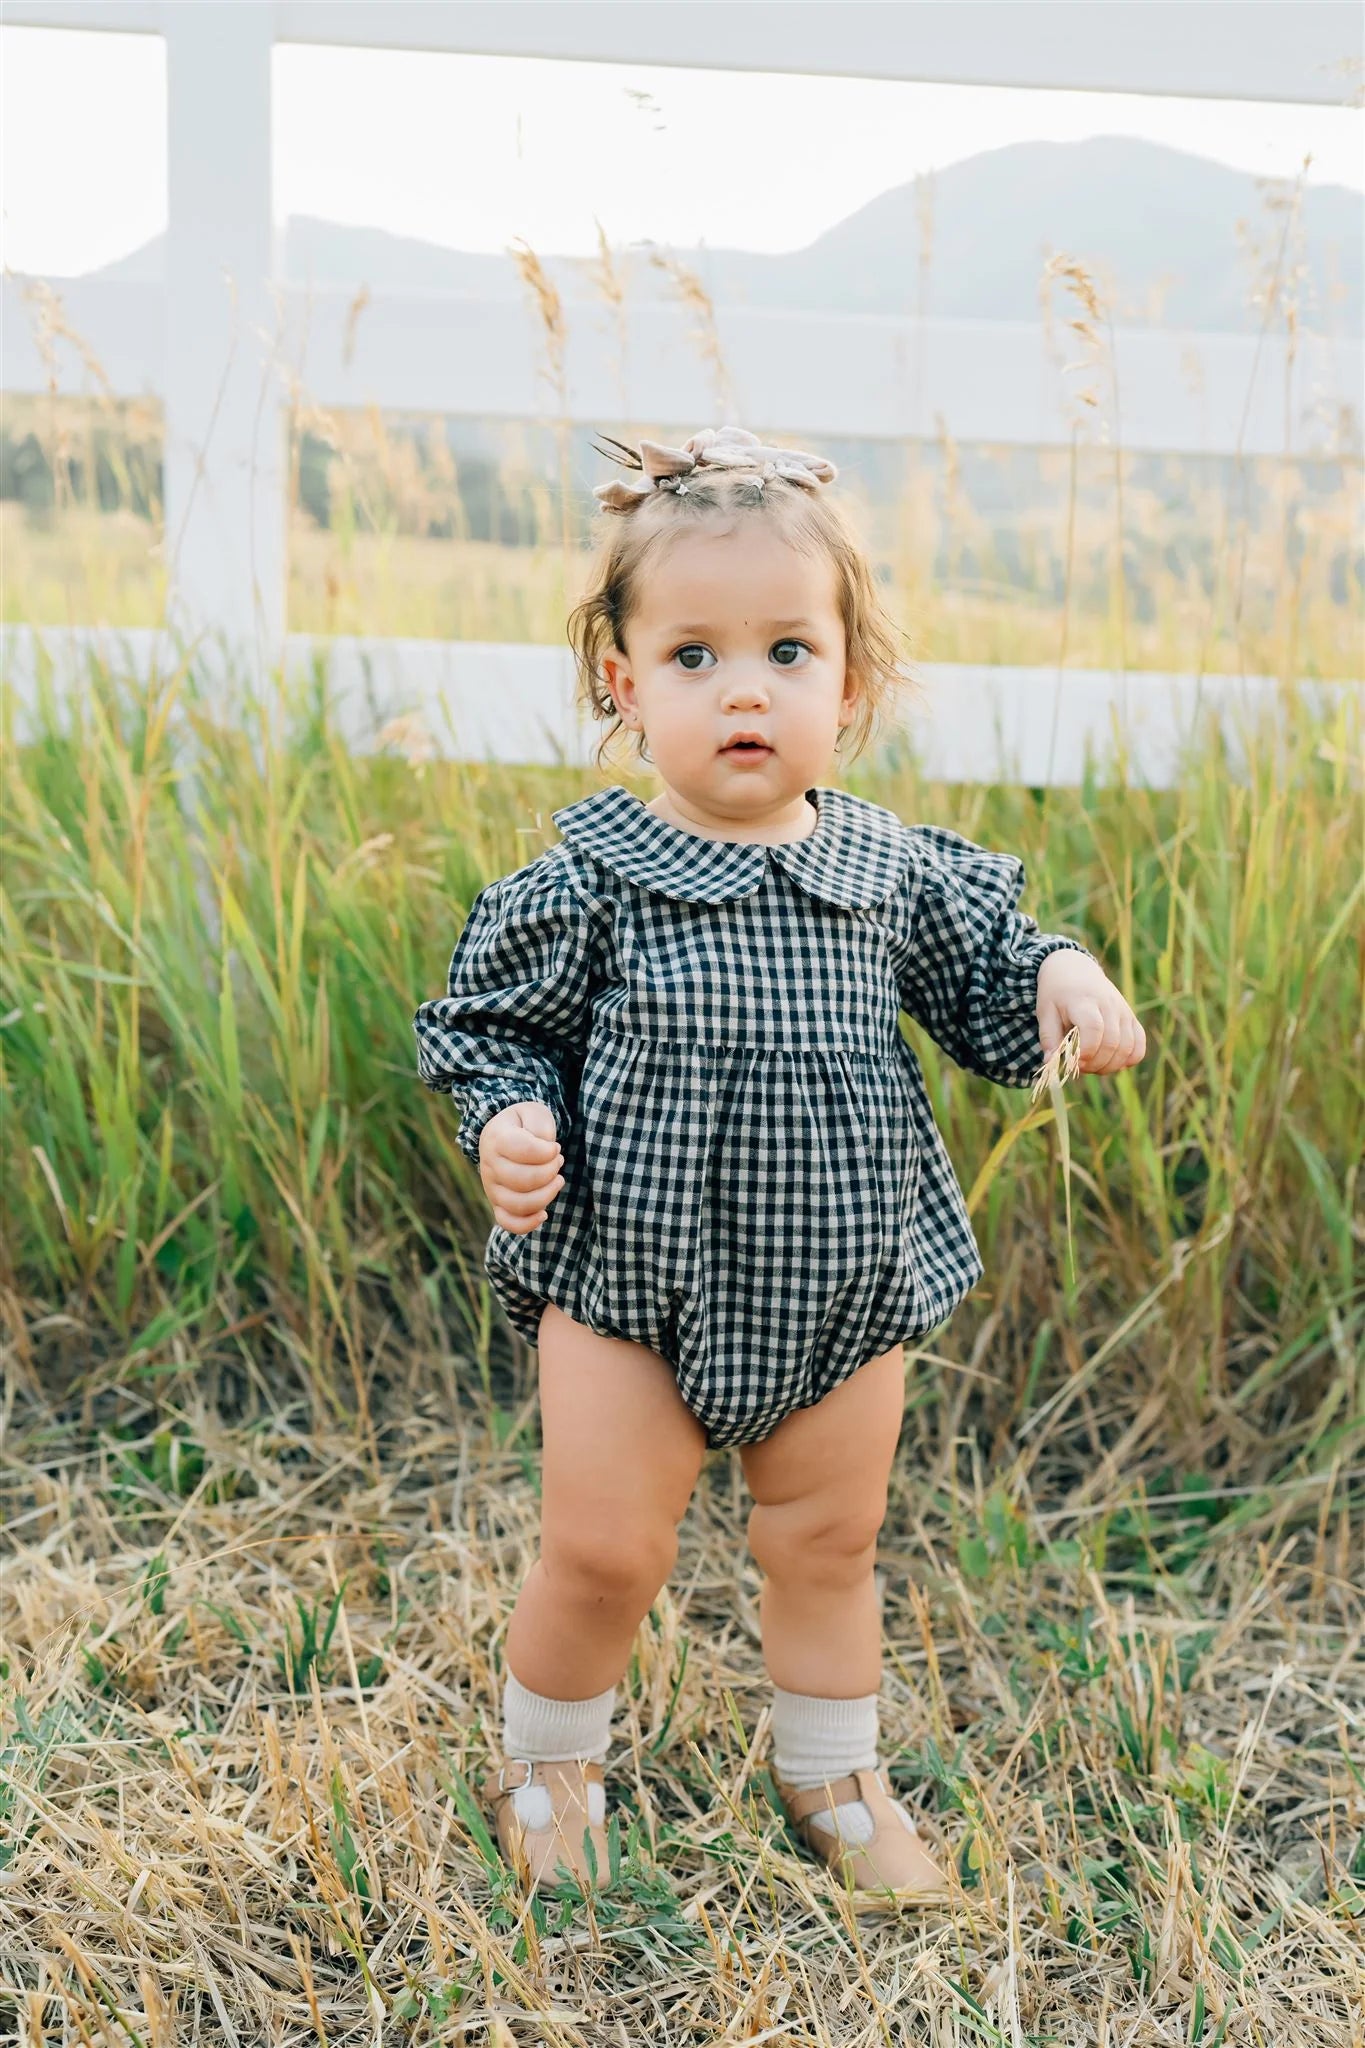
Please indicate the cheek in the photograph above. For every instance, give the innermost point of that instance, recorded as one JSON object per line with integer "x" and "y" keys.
{"x": 822, "y": 690}
{"x": 679, "y": 703}
{"x": 667, "y": 707}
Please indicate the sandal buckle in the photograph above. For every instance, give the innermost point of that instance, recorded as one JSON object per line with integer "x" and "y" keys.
{"x": 529, "y": 1768}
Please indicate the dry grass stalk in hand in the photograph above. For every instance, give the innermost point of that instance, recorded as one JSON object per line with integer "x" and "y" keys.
{"x": 1062, "y": 1064}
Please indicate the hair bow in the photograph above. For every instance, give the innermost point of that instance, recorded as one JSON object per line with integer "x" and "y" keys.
{"x": 667, "y": 468}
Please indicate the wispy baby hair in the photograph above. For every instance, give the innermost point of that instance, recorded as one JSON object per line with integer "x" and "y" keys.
{"x": 714, "y": 477}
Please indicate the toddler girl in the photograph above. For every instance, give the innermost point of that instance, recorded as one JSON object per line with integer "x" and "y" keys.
{"x": 721, "y": 1203}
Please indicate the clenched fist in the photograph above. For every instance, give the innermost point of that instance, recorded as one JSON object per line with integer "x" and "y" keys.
{"x": 519, "y": 1165}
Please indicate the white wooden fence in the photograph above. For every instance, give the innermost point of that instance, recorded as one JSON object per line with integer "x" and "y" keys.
{"x": 222, "y": 341}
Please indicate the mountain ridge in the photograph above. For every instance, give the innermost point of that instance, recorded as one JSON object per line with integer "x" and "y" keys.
{"x": 1157, "y": 227}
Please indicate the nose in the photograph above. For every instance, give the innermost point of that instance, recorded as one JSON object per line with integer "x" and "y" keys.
{"x": 747, "y": 683}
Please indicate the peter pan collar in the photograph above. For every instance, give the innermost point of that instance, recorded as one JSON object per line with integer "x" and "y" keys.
{"x": 855, "y": 857}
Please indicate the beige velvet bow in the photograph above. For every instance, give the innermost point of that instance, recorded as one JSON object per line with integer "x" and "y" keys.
{"x": 667, "y": 468}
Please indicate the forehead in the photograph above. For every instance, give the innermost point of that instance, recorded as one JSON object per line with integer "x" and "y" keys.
{"x": 749, "y": 573}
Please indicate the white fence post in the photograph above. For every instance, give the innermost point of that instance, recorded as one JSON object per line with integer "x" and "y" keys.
{"x": 225, "y": 458}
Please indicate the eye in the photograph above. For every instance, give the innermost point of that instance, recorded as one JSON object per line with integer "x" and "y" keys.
{"x": 692, "y": 647}
{"x": 682, "y": 655}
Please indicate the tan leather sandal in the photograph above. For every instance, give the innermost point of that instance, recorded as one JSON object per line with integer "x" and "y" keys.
{"x": 534, "y": 1853}
{"x": 892, "y": 1870}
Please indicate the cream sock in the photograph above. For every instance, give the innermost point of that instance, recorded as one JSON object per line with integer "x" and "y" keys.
{"x": 539, "y": 1730}
{"x": 817, "y": 1740}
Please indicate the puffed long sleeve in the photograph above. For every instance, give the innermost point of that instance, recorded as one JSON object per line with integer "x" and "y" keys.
{"x": 967, "y": 959}
{"x": 517, "y": 1008}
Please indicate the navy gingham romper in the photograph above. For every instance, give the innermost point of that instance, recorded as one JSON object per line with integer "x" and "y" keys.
{"x": 754, "y": 1184}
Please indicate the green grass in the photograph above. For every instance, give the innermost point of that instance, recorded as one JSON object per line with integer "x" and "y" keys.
{"x": 225, "y": 1155}
{"x": 269, "y": 1480}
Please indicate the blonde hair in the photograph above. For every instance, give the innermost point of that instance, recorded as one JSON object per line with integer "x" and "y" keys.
{"x": 810, "y": 521}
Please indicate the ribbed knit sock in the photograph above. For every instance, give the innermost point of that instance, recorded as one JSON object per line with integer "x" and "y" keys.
{"x": 818, "y": 1740}
{"x": 539, "y": 1730}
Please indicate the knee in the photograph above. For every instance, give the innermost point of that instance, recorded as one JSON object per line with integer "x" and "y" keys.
{"x": 620, "y": 1566}
{"x": 820, "y": 1539}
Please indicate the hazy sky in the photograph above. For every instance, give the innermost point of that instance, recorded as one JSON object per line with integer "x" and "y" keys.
{"x": 474, "y": 151}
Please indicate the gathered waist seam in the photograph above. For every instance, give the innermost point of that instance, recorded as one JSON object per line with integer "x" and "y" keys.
{"x": 834, "y": 1047}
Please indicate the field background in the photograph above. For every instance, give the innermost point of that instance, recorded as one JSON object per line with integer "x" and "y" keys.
{"x": 268, "y": 1453}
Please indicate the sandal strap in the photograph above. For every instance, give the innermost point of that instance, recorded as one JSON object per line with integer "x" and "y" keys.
{"x": 498, "y": 1790}
{"x": 837, "y": 1792}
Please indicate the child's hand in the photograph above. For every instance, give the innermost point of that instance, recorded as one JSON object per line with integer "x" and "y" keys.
{"x": 1075, "y": 990}
{"x": 519, "y": 1165}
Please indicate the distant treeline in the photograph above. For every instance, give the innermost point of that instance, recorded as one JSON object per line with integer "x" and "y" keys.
{"x": 107, "y": 466}
{"x": 499, "y": 481}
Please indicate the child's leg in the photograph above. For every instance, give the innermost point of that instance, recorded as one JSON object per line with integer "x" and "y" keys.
{"x": 621, "y": 1457}
{"x": 819, "y": 1485}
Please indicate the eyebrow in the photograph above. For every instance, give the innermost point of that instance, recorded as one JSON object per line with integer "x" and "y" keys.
{"x": 691, "y": 626}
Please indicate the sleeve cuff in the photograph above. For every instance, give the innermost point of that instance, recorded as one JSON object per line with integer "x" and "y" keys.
{"x": 1016, "y": 985}
{"x": 485, "y": 1102}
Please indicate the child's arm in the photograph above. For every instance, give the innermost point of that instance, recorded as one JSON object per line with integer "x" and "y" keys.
{"x": 517, "y": 1004}
{"x": 967, "y": 960}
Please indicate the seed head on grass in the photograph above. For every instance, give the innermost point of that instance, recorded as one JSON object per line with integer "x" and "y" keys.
{"x": 1062, "y": 1064}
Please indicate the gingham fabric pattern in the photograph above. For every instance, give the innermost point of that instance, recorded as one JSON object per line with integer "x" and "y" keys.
{"x": 755, "y": 1186}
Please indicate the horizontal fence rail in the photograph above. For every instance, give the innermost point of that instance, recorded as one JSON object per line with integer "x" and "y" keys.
{"x": 873, "y": 376}
{"x": 490, "y": 701}
{"x": 1285, "y": 50}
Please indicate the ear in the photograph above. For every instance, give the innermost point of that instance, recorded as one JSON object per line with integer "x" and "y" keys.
{"x": 613, "y": 664}
{"x": 616, "y": 674}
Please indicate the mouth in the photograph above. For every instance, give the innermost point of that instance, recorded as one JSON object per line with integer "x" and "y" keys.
{"x": 748, "y": 746}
